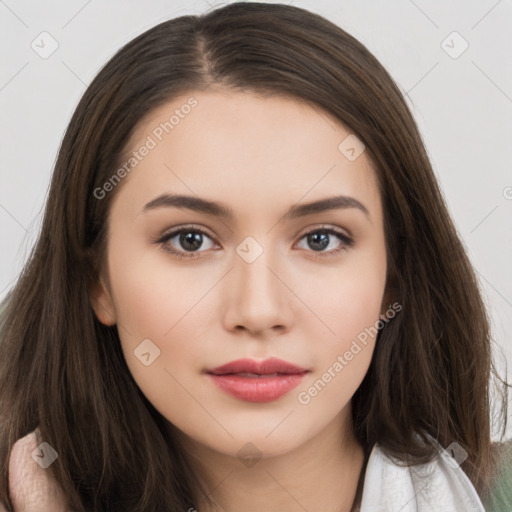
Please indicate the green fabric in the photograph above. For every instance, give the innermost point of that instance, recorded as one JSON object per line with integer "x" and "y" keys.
{"x": 500, "y": 499}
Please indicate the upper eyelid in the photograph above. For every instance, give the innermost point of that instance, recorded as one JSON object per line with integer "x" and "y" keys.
{"x": 306, "y": 230}
{"x": 326, "y": 227}
{"x": 171, "y": 233}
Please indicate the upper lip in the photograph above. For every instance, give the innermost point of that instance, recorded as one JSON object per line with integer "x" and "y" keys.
{"x": 265, "y": 367}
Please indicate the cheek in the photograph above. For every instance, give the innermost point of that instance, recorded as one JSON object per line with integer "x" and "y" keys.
{"x": 345, "y": 301}
{"x": 150, "y": 296}
{"x": 343, "y": 358}
{"x": 159, "y": 315}
{"x": 349, "y": 306}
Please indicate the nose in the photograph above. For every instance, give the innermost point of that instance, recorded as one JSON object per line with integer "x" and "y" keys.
{"x": 257, "y": 298}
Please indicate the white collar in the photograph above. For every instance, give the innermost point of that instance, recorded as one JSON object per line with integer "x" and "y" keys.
{"x": 440, "y": 485}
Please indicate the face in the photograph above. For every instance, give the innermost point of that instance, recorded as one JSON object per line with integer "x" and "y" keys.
{"x": 256, "y": 275}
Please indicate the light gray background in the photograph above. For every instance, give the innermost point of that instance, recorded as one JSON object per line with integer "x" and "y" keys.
{"x": 463, "y": 106}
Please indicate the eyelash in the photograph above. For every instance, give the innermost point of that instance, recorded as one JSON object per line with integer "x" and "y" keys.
{"x": 347, "y": 242}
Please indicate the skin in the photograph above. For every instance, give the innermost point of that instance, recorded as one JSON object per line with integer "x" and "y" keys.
{"x": 31, "y": 487}
{"x": 259, "y": 156}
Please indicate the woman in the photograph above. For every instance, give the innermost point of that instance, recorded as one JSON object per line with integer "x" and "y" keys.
{"x": 248, "y": 292}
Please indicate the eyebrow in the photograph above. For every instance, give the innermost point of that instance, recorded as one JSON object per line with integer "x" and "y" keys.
{"x": 207, "y": 207}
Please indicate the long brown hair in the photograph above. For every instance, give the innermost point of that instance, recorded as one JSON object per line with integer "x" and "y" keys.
{"x": 64, "y": 371}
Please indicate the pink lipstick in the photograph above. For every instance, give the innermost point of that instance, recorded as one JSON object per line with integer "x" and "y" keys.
{"x": 257, "y": 381}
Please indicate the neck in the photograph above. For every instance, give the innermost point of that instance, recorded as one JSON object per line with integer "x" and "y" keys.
{"x": 320, "y": 475}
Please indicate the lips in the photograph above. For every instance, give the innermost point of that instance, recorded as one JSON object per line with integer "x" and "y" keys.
{"x": 257, "y": 381}
{"x": 267, "y": 367}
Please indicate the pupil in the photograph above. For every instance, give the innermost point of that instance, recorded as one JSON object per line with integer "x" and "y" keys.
{"x": 314, "y": 239}
{"x": 194, "y": 239}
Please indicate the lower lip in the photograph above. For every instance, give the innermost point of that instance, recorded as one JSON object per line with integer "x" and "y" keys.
{"x": 257, "y": 389}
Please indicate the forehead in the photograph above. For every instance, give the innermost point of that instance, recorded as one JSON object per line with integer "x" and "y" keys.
{"x": 246, "y": 146}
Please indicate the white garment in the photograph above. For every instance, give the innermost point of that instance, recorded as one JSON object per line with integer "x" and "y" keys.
{"x": 438, "y": 486}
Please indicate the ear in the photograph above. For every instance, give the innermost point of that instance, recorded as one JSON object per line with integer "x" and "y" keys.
{"x": 102, "y": 303}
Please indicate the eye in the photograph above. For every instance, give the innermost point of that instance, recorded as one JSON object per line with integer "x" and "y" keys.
{"x": 321, "y": 238}
{"x": 190, "y": 239}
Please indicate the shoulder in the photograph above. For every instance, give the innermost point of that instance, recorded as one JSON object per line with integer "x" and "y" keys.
{"x": 500, "y": 497}
{"x": 391, "y": 485}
